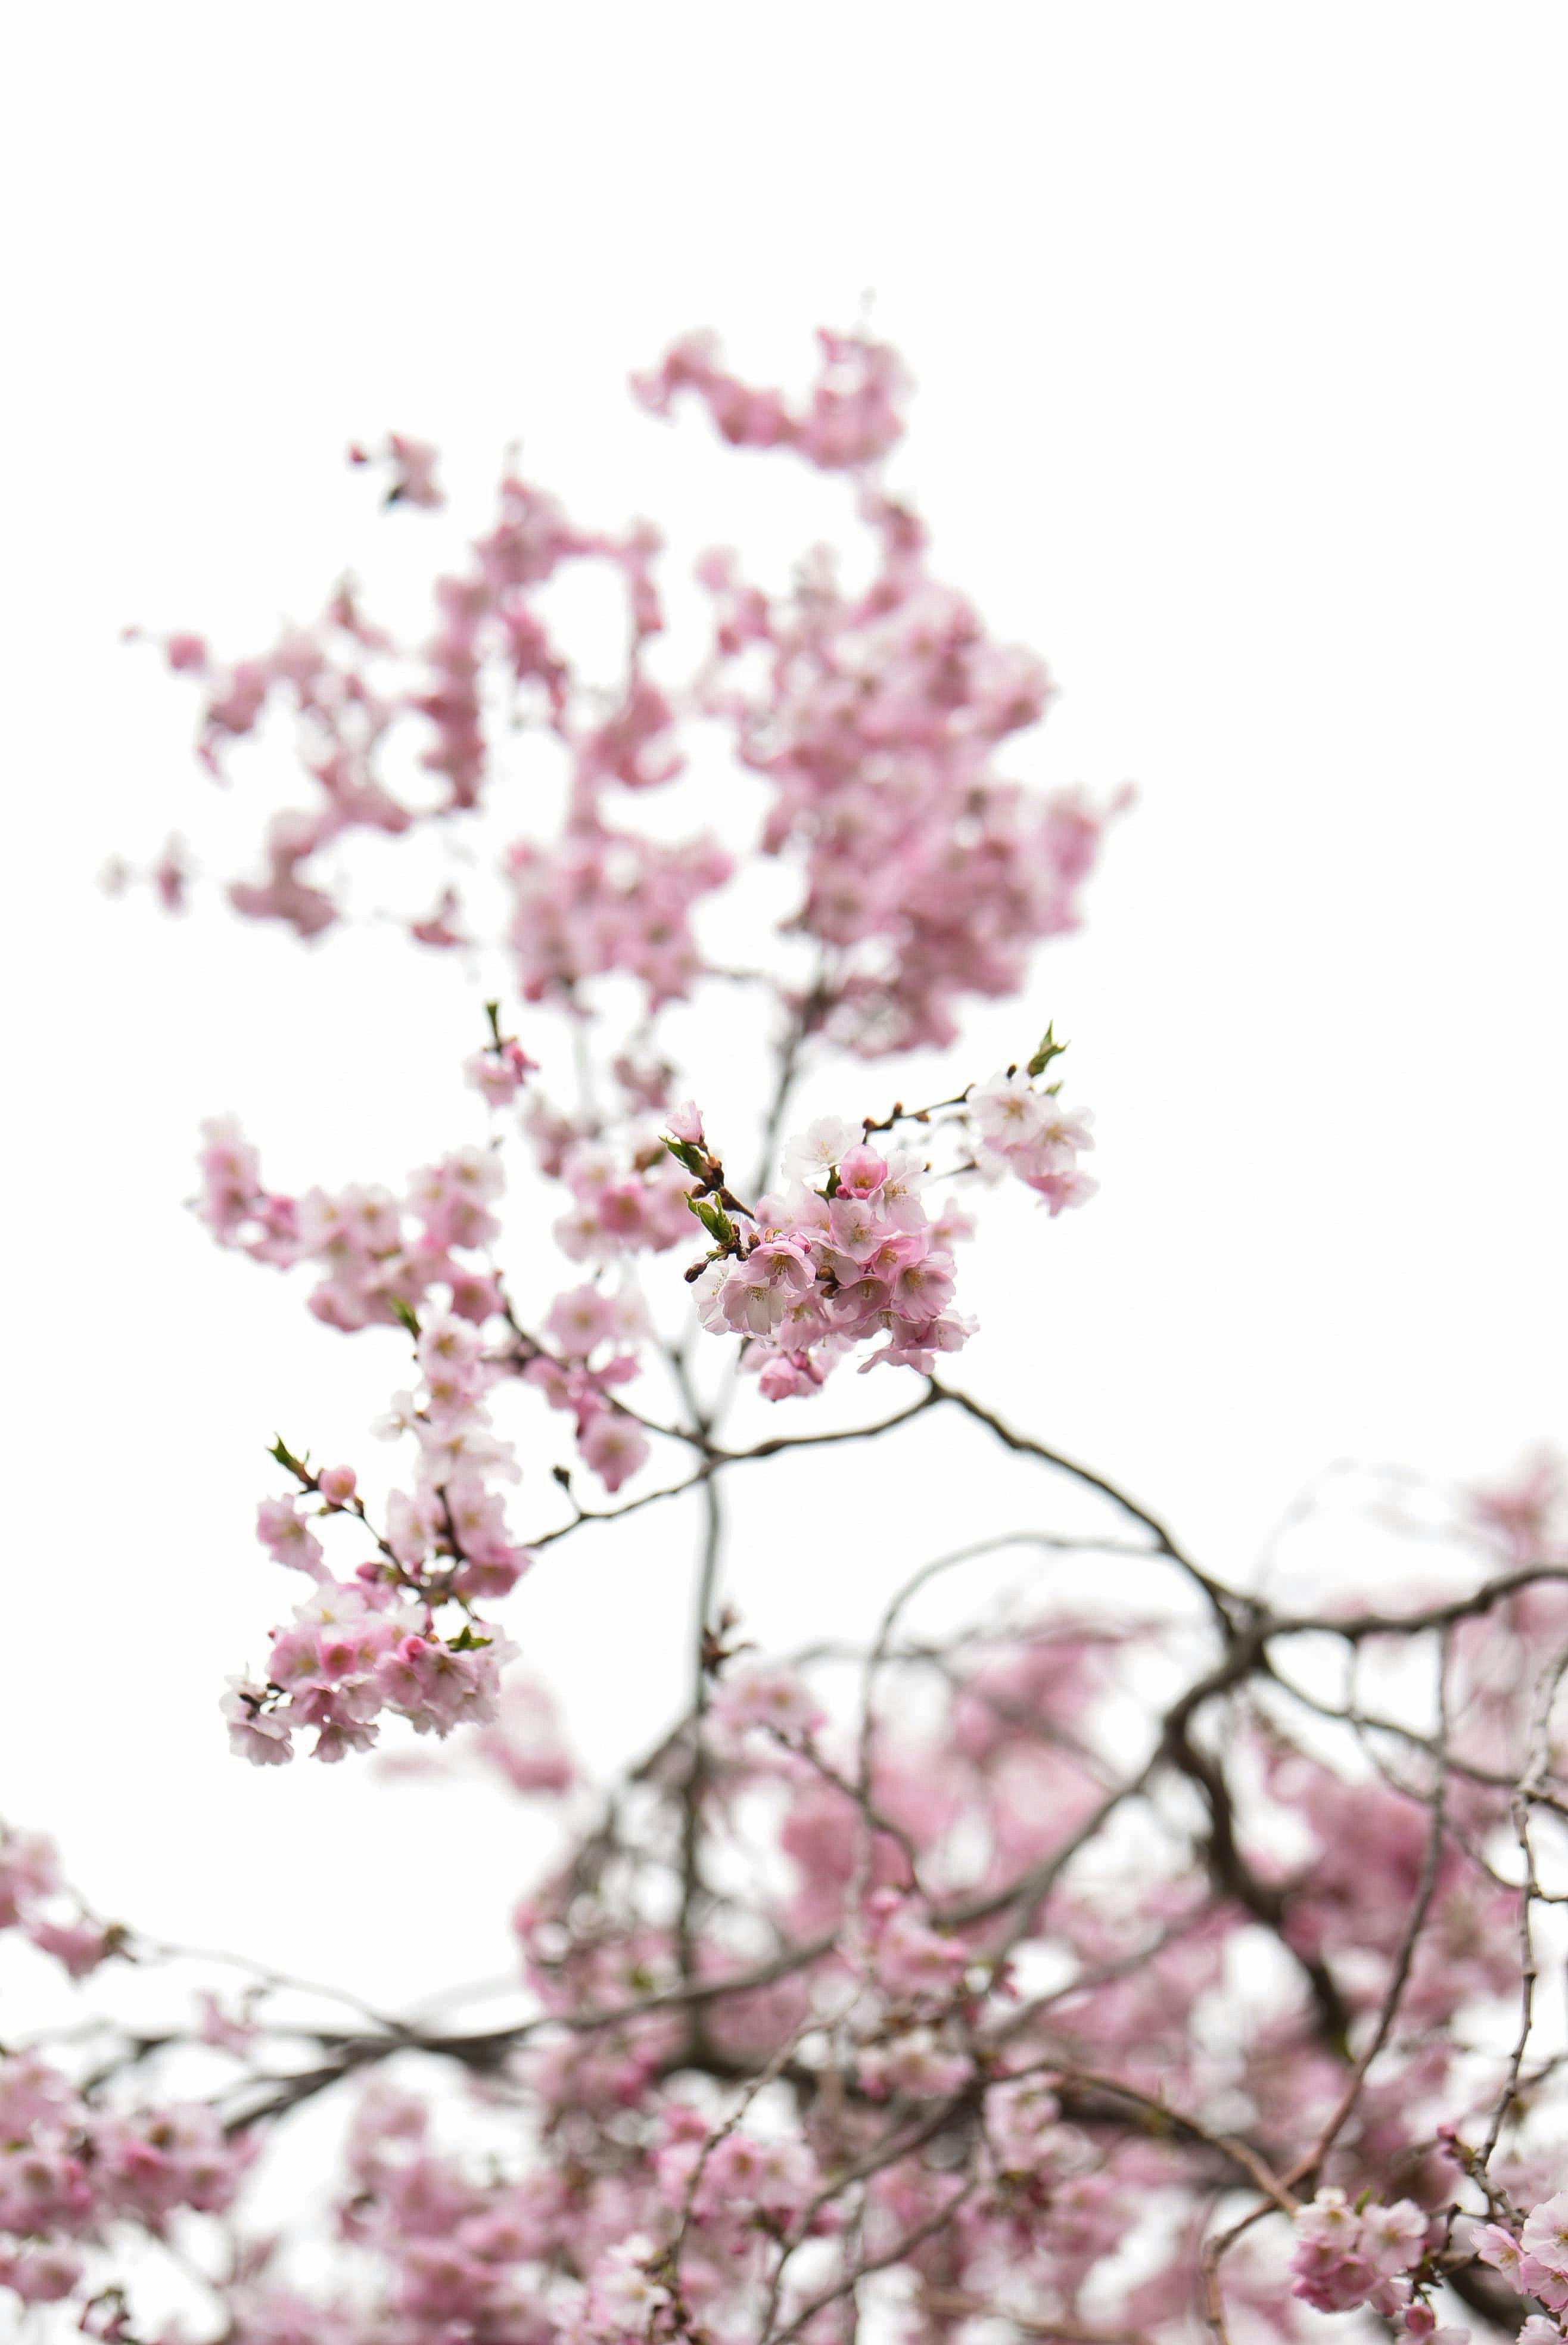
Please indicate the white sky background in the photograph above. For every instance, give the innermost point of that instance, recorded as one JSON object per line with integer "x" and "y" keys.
{"x": 1238, "y": 338}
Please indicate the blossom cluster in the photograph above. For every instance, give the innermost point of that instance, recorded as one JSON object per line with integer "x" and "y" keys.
{"x": 349, "y": 1653}
{"x": 926, "y": 875}
{"x": 34, "y": 1899}
{"x": 68, "y": 2170}
{"x": 849, "y": 1253}
{"x": 1356, "y": 2255}
{"x": 1534, "y": 2260}
{"x": 602, "y": 899}
{"x": 360, "y": 1646}
{"x": 887, "y": 1979}
{"x": 1382, "y": 2256}
{"x": 872, "y": 718}
{"x": 375, "y": 1266}
{"x": 1026, "y": 1131}
{"x": 817, "y": 1271}
{"x": 852, "y": 420}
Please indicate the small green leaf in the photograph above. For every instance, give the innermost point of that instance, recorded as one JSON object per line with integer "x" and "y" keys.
{"x": 687, "y": 1153}
{"x": 467, "y": 1643}
{"x": 714, "y": 1220}
{"x": 1049, "y": 1048}
{"x": 404, "y": 1313}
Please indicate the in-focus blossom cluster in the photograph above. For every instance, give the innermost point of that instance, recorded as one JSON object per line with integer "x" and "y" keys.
{"x": 349, "y": 1652}
{"x": 359, "y": 1646}
{"x": 1390, "y": 2259}
{"x": 815, "y": 1272}
{"x": 1533, "y": 2258}
{"x": 856, "y": 1251}
{"x": 1026, "y": 1131}
{"x": 1356, "y": 2255}
{"x": 849, "y": 1251}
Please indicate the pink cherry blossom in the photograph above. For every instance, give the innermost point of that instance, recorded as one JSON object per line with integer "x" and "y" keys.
{"x": 1010, "y": 1970}
{"x": 1545, "y": 2235}
{"x": 771, "y": 1701}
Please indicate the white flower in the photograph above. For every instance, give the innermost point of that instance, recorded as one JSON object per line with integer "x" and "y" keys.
{"x": 821, "y": 1145}
{"x": 1009, "y": 1111}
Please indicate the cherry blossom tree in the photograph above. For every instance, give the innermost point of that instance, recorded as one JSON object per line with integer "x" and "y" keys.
{"x": 1148, "y": 1955}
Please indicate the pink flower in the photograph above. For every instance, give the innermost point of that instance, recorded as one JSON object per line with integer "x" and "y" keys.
{"x": 498, "y": 1074}
{"x": 613, "y": 1448}
{"x": 29, "y": 1871}
{"x": 1392, "y": 2239}
{"x": 1008, "y": 1111}
{"x": 1545, "y": 2235}
{"x": 1538, "y": 2279}
{"x": 42, "y": 2275}
{"x": 913, "y": 2065}
{"x": 912, "y": 1959}
{"x": 773, "y": 1700}
{"x": 79, "y": 1946}
{"x": 1499, "y": 2248}
{"x": 1347, "y": 2256}
{"x": 622, "y": 2297}
{"x": 1330, "y": 2279}
{"x": 287, "y": 1537}
{"x": 785, "y": 1373}
{"x": 580, "y": 1321}
{"x": 862, "y": 1171}
{"x": 745, "y": 2173}
{"x": 1327, "y": 2221}
{"x": 255, "y": 1733}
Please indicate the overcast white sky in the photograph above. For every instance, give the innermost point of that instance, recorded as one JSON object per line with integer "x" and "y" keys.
{"x": 1239, "y": 336}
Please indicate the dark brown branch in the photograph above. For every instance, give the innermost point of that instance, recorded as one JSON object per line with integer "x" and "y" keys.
{"x": 1230, "y": 1609}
